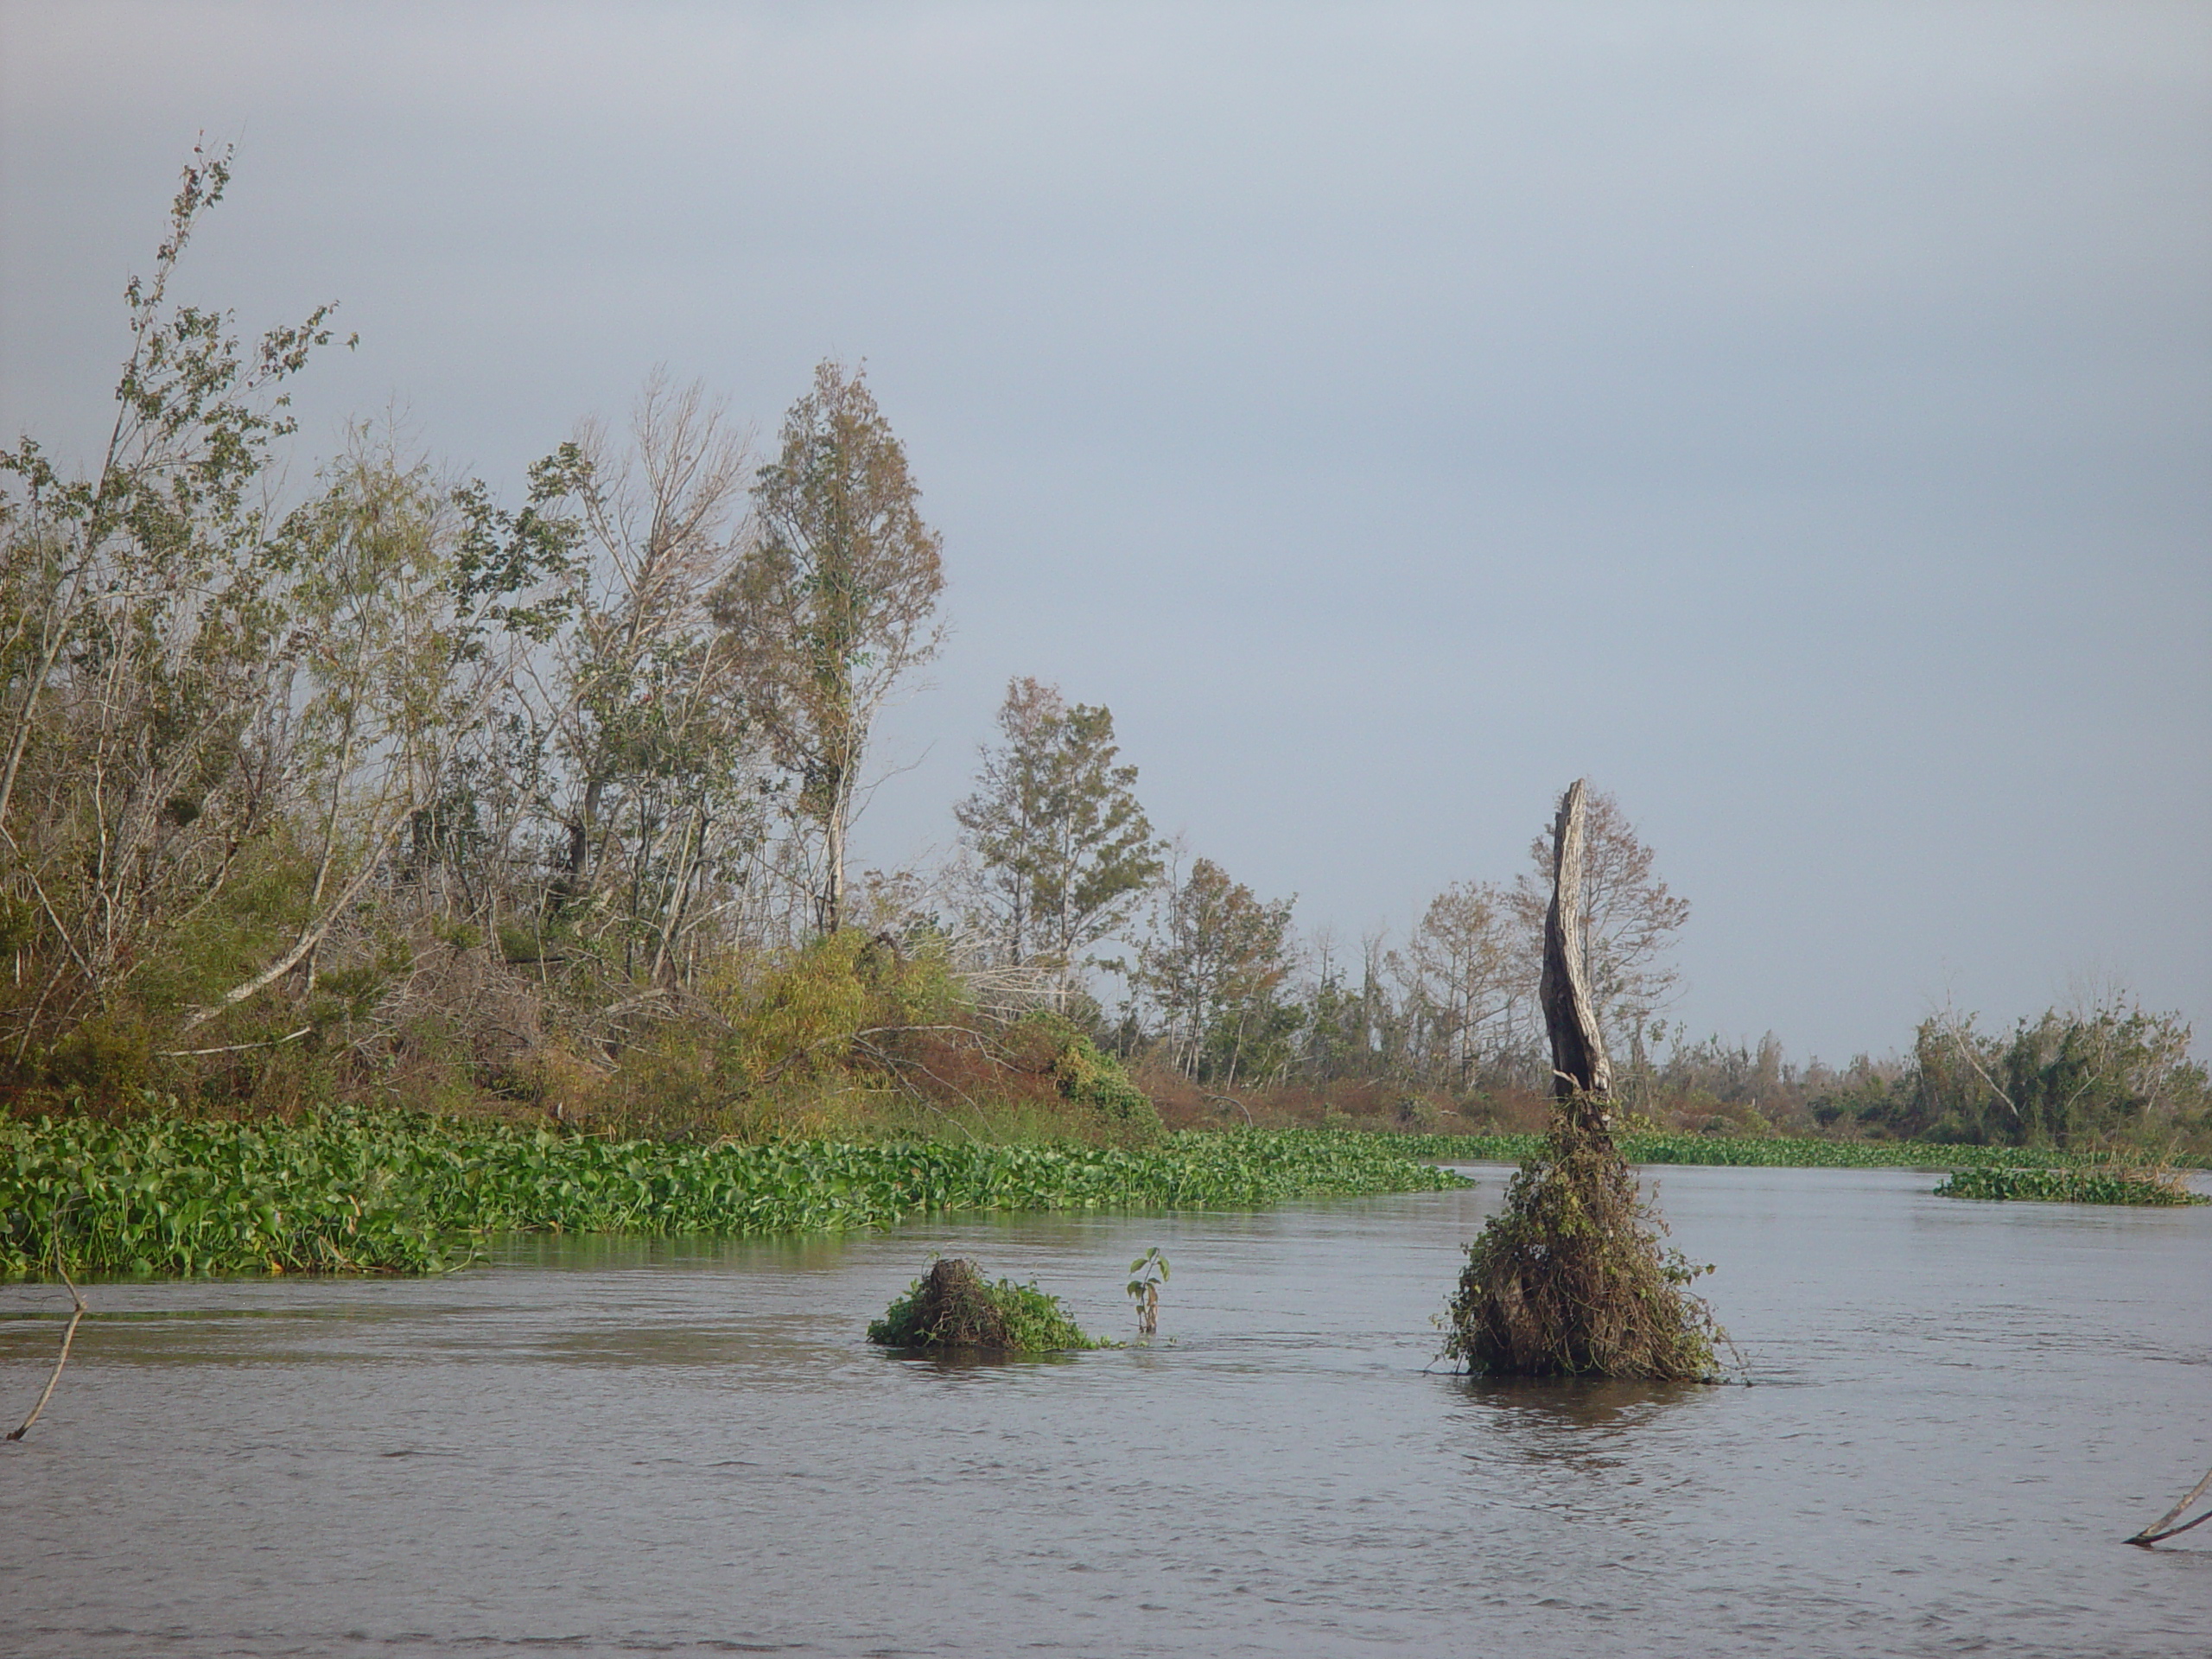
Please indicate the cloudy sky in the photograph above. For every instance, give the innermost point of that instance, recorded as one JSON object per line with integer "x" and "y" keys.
{"x": 1797, "y": 418}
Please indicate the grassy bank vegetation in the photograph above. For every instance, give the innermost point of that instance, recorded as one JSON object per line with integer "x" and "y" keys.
{"x": 393, "y": 1193}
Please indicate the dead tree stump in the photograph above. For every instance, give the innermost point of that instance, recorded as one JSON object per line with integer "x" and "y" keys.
{"x": 1570, "y": 1278}
{"x": 1582, "y": 1075}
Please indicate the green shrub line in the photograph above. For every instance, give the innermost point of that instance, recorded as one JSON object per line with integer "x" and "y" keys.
{"x": 1775, "y": 1151}
{"x": 393, "y": 1192}
{"x": 2069, "y": 1186}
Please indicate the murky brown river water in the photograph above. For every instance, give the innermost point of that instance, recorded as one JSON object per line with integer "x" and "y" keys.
{"x": 610, "y": 1447}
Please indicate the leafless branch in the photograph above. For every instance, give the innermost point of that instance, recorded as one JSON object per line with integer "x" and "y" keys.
{"x": 67, "y": 1336}
{"x": 2163, "y": 1528}
{"x": 231, "y": 1048}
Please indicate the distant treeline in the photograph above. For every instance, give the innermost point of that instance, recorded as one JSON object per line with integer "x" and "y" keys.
{"x": 399, "y": 792}
{"x": 2069, "y": 1077}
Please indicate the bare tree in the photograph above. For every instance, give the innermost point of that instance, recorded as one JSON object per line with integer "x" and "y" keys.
{"x": 1462, "y": 972}
{"x": 661, "y": 800}
{"x": 833, "y": 605}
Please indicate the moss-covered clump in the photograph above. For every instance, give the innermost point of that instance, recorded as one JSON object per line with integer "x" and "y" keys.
{"x": 953, "y": 1305}
{"x": 1570, "y": 1278}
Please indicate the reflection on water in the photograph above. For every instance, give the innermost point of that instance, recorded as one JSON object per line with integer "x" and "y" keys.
{"x": 684, "y": 1447}
{"x": 1581, "y": 1408}
{"x": 1573, "y": 1423}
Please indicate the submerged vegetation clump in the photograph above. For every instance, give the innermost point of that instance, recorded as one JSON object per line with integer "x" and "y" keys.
{"x": 2076, "y": 1185}
{"x": 1571, "y": 1280}
{"x": 954, "y": 1306}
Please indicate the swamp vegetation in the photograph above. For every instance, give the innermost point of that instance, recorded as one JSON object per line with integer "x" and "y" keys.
{"x": 410, "y": 789}
{"x": 1782, "y": 1152}
{"x": 392, "y": 867}
{"x": 952, "y": 1307}
{"x": 395, "y": 1191}
{"x": 2091, "y": 1184}
{"x": 390, "y": 1194}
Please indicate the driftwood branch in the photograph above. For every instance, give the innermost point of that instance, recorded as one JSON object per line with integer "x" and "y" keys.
{"x": 2164, "y": 1526}
{"x": 67, "y": 1336}
{"x": 1579, "y": 1067}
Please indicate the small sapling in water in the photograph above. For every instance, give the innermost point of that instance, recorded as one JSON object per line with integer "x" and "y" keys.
{"x": 1147, "y": 1274}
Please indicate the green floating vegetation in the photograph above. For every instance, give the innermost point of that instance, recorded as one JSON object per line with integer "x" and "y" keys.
{"x": 954, "y": 1306}
{"x": 2085, "y": 1186}
{"x": 396, "y": 1192}
{"x": 1767, "y": 1152}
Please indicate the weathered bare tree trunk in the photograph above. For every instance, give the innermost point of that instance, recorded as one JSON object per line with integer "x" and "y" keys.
{"x": 1570, "y": 1277}
{"x": 1580, "y": 1071}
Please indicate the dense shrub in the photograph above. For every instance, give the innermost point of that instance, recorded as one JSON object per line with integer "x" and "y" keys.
{"x": 1570, "y": 1278}
{"x": 1088, "y": 1076}
{"x": 954, "y": 1306}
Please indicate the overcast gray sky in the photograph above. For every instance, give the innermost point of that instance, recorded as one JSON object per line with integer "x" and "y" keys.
{"x": 1798, "y": 418}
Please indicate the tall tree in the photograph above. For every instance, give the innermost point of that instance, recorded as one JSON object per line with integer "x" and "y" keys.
{"x": 142, "y": 635}
{"x": 834, "y": 603}
{"x": 1212, "y": 967}
{"x": 1064, "y": 848}
{"x": 649, "y": 696}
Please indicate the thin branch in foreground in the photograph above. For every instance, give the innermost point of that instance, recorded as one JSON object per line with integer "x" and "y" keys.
{"x": 67, "y": 1336}
{"x": 2164, "y": 1526}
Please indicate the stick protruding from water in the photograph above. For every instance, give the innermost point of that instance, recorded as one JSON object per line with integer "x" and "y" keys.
{"x": 2164, "y": 1526}
{"x": 67, "y": 1336}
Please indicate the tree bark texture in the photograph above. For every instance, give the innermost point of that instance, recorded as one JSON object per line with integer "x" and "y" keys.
{"x": 1579, "y": 1067}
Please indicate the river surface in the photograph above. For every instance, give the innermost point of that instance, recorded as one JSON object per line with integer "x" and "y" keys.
{"x": 595, "y": 1447}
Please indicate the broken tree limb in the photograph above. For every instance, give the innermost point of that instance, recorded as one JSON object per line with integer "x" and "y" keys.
{"x": 67, "y": 1336}
{"x": 2164, "y": 1526}
{"x": 1579, "y": 1067}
